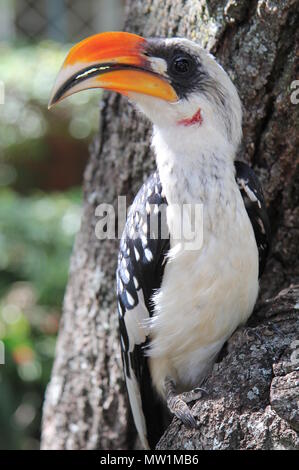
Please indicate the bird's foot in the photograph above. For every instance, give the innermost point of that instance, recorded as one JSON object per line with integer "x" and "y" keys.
{"x": 250, "y": 334}
{"x": 177, "y": 403}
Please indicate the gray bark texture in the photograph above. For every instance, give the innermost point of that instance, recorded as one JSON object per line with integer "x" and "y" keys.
{"x": 252, "y": 399}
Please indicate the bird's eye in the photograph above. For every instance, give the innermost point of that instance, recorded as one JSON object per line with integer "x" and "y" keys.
{"x": 182, "y": 66}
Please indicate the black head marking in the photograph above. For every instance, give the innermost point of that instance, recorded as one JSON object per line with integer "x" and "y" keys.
{"x": 184, "y": 70}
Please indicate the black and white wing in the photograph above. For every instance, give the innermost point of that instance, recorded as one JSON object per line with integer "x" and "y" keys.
{"x": 141, "y": 262}
{"x": 142, "y": 258}
{"x": 254, "y": 202}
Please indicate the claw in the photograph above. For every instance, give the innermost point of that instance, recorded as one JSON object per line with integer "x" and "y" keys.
{"x": 177, "y": 404}
{"x": 193, "y": 395}
{"x": 187, "y": 418}
{"x": 180, "y": 409}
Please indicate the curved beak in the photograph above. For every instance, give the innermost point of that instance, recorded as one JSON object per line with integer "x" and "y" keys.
{"x": 114, "y": 61}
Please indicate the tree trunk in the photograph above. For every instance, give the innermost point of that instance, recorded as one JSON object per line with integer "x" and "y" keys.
{"x": 251, "y": 400}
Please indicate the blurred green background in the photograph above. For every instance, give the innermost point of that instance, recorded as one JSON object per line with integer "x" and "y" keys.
{"x": 42, "y": 158}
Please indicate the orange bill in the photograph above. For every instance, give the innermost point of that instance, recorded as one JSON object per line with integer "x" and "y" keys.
{"x": 114, "y": 61}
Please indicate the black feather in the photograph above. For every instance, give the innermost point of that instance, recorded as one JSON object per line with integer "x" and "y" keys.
{"x": 148, "y": 273}
{"x": 255, "y": 206}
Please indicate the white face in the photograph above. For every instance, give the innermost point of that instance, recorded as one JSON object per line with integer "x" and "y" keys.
{"x": 212, "y": 108}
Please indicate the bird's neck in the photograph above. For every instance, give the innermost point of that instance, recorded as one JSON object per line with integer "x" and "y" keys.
{"x": 194, "y": 170}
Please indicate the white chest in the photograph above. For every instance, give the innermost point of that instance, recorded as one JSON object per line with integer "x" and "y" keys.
{"x": 205, "y": 294}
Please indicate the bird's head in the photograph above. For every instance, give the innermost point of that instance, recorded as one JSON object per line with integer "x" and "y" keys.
{"x": 177, "y": 84}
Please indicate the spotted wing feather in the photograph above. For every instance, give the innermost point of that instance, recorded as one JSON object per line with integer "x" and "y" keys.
{"x": 255, "y": 206}
{"x": 143, "y": 249}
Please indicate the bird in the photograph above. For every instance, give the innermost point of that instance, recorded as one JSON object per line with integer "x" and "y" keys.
{"x": 178, "y": 301}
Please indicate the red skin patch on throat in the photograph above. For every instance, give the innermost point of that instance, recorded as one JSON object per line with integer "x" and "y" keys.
{"x": 195, "y": 119}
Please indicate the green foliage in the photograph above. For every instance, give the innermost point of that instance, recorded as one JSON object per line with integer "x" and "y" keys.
{"x": 26, "y": 125}
{"x": 36, "y": 236}
{"x": 38, "y": 149}
{"x": 29, "y": 74}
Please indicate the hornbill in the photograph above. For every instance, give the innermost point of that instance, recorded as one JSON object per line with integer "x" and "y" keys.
{"x": 178, "y": 305}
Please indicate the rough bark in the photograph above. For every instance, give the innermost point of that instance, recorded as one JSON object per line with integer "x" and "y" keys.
{"x": 252, "y": 395}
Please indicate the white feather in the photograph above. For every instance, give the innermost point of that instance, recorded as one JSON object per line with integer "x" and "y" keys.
{"x": 136, "y": 407}
{"x": 205, "y": 294}
{"x": 135, "y": 321}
